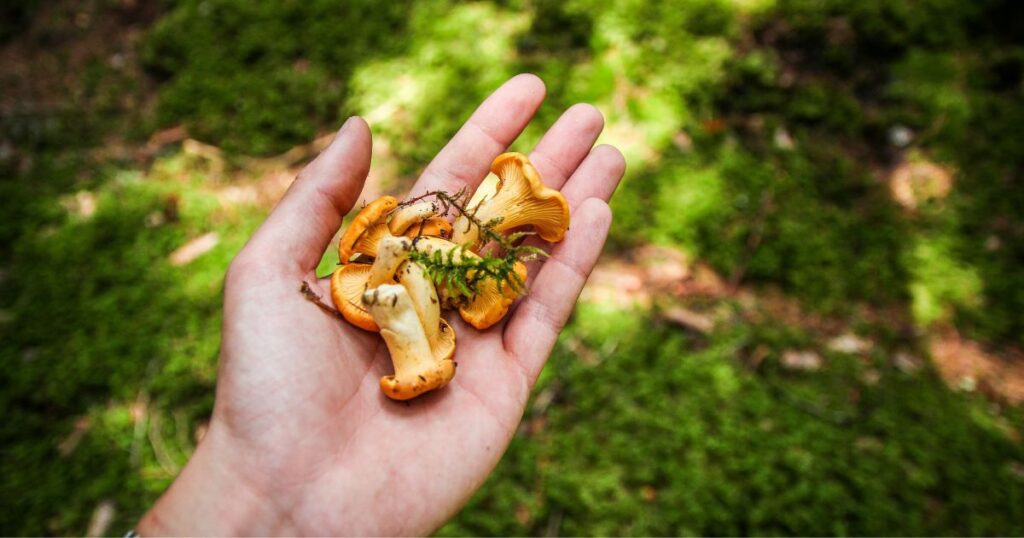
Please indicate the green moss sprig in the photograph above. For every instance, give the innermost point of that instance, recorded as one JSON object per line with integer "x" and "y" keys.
{"x": 462, "y": 275}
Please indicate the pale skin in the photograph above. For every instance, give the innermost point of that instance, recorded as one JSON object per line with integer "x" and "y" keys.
{"x": 301, "y": 441}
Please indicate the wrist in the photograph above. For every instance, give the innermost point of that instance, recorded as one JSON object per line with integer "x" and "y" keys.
{"x": 212, "y": 497}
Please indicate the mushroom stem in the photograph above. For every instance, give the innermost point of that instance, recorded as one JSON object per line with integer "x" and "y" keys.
{"x": 423, "y": 294}
{"x": 421, "y": 290}
{"x": 417, "y": 370}
{"x": 391, "y": 252}
{"x": 519, "y": 198}
{"x": 429, "y": 245}
{"x": 405, "y": 217}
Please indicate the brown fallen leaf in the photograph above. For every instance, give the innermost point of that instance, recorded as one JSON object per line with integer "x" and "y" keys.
{"x": 536, "y": 425}
{"x": 663, "y": 266}
{"x": 801, "y": 360}
{"x": 193, "y": 249}
{"x": 912, "y": 184}
{"x": 782, "y": 139}
{"x": 849, "y": 343}
{"x": 1016, "y": 468}
{"x": 523, "y": 515}
{"x": 616, "y": 283}
{"x": 171, "y": 135}
{"x": 82, "y": 204}
{"x": 689, "y": 319}
{"x": 871, "y": 377}
{"x": 648, "y": 493}
{"x": 968, "y": 364}
{"x": 70, "y": 443}
{"x": 706, "y": 281}
{"x": 906, "y": 363}
{"x": 101, "y": 519}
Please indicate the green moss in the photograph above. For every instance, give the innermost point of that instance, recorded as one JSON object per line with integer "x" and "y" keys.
{"x": 418, "y": 99}
{"x": 259, "y": 78}
{"x": 668, "y": 436}
{"x": 98, "y": 321}
{"x": 757, "y": 136}
{"x": 940, "y": 282}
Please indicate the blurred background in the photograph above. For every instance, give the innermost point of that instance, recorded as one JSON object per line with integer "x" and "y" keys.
{"x": 807, "y": 320}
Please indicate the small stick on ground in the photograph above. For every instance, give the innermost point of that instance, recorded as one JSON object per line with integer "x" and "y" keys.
{"x": 312, "y": 297}
{"x": 765, "y": 210}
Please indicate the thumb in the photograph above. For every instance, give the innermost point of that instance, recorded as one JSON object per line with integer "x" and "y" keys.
{"x": 297, "y": 231}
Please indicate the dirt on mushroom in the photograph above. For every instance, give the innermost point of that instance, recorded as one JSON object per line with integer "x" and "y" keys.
{"x": 407, "y": 244}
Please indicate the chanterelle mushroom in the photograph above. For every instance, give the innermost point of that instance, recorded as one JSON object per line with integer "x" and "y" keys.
{"x": 391, "y": 252}
{"x": 350, "y": 281}
{"x": 363, "y": 237}
{"x": 380, "y": 219}
{"x": 490, "y": 303}
{"x": 417, "y": 368}
{"x": 520, "y": 199}
{"x": 366, "y": 229}
{"x": 405, "y": 217}
{"x": 433, "y": 227}
{"x": 424, "y": 298}
{"x": 347, "y": 286}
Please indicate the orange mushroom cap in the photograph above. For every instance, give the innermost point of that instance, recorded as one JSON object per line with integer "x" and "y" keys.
{"x": 347, "y": 286}
{"x": 490, "y": 304}
{"x": 370, "y": 217}
{"x": 433, "y": 227}
{"x": 370, "y": 240}
{"x": 520, "y": 199}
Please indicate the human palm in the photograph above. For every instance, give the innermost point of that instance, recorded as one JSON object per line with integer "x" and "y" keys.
{"x": 302, "y": 441}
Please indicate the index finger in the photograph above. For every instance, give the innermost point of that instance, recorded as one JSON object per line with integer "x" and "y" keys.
{"x": 467, "y": 158}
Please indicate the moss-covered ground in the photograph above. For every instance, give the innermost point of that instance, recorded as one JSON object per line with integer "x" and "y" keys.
{"x": 838, "y": 171}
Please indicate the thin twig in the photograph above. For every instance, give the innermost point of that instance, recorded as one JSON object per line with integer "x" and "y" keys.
{"x": 477, "y": 270}
{"x": 754, "y": 240}
{"x": 836, "y": 418}
{"x": 312, "y": 297}
{"x": 449, "y": 201}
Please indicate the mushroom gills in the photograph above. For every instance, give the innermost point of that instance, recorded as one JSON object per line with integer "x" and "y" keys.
{"x": 490, "y": 304}
{"x": 520, "y": 199}
{"x": 367, "y": 218}
{"x": 347, "y": 286}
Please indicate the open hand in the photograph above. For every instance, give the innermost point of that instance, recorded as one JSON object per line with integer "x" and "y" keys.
{"x": 301, "y": 440}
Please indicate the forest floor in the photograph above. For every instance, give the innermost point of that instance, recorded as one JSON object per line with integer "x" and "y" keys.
{"x": 806, "y": 320}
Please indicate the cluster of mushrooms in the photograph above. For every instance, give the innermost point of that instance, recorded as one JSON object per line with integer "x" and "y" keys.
{"x": 379, "y": 288}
